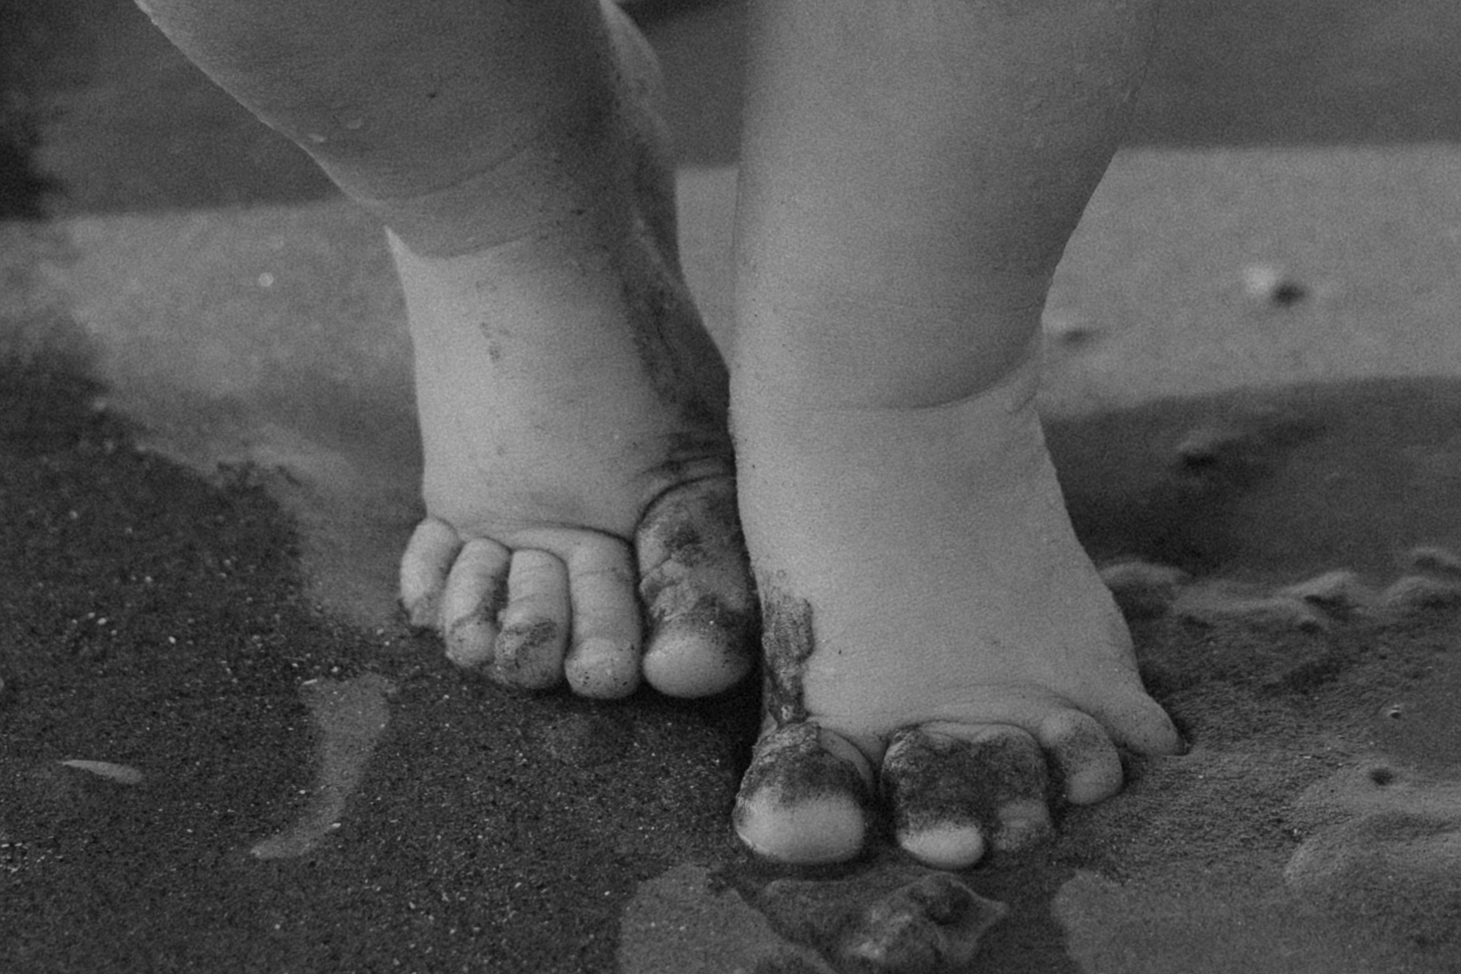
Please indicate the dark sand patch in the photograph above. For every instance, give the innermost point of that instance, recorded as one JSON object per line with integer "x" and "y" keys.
{"x": 157, "y": 620}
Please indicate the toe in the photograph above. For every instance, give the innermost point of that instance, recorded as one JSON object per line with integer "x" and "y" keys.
{"x": 957, "y": 790}
{"x": 805, "y": 798}
{"x": 603, "y": 659}
{"x": 475, "y": 591}
{"x": 424, "y": 567}
{"x": 696, "y": 589}
{"x": 1137, "y": 722}
{"x": 1081, "y": 755}
{"x": 528, "y": 651}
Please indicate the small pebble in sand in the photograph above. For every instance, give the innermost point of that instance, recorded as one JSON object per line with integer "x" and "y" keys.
{"x": 121, "y": 773}
{"x": 1069, "y": 329}
{"x": 1382, "y": 776}
{"x": 1269, "y": 284}
{"x": 1206, "y": 446}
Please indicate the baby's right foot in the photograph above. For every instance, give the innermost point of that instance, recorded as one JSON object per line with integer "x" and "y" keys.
{"x": 573, "y": 415}
{"x": 576, "y": 460}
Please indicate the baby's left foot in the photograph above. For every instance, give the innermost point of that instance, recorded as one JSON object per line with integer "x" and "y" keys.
{"x": 936, "y": 641}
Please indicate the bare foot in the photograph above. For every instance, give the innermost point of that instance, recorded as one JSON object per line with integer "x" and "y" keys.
{"x": 576, "y": 457}
{"x": 937, "y": 643}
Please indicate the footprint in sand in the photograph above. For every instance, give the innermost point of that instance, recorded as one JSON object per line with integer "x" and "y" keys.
{"x": 1383, "y": 846}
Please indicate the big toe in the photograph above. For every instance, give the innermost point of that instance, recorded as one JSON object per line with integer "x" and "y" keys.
{"x": 696, "y": 589}
{"x": 805, "y": 797}
{"x": 955, "y": 791}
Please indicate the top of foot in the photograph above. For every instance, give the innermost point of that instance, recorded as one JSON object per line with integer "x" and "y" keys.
{"x": 932, "y": 617}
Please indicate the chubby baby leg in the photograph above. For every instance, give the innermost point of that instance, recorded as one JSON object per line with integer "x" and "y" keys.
{"x": 938, "y": 647}
{"x": 573, "y": 409}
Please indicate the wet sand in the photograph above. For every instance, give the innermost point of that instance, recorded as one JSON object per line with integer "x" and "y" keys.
{"x": 224, "y": 751}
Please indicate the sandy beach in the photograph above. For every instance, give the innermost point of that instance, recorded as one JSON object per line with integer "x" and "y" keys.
{"x": 225, "y": 751}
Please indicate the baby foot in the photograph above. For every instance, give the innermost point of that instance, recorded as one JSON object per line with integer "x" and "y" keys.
{"x": 577, "y": 463}
{"x": 936, "y": 641}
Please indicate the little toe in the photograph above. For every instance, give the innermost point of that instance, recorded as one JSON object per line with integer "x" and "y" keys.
{"x": 424, "y": 567}
{"x": 475, "y": 592}
{"x": 603, "y": 659}
{"x": 1080, "y": 753}
{"x": 1137, "y": 722}
{"x": 806, "y": 797}
{"x": 533, "y": 632}
{"x": 696, "y": 588}
{"x": 955, "y": 791}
